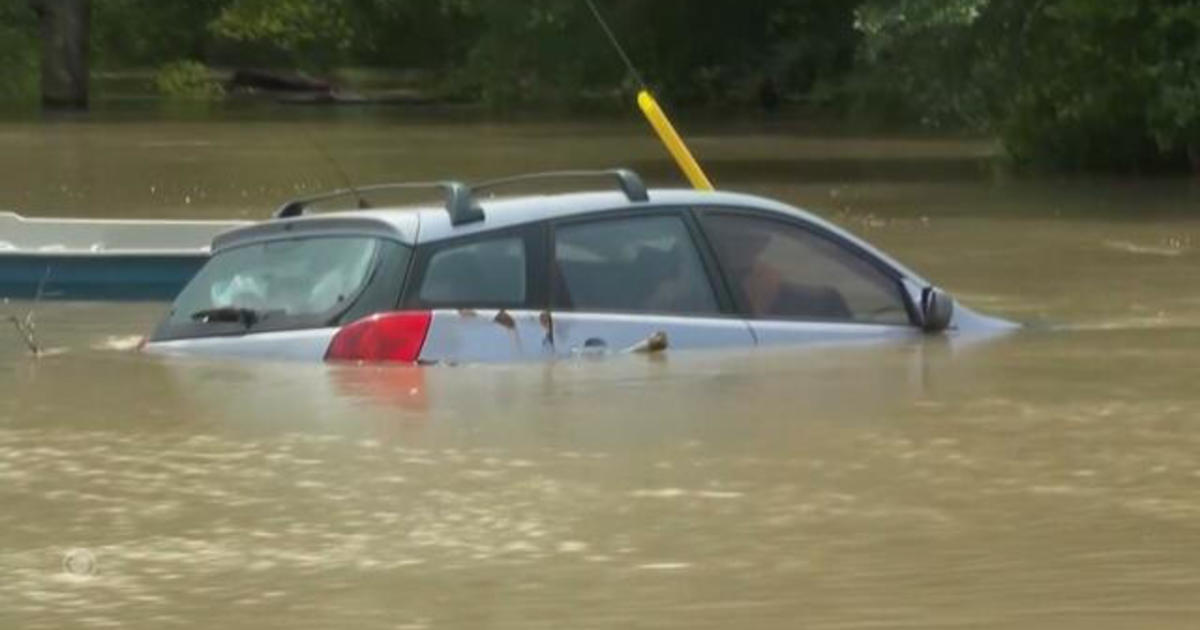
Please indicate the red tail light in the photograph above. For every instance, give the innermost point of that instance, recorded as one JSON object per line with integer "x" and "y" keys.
{"x": 383, "y": 337}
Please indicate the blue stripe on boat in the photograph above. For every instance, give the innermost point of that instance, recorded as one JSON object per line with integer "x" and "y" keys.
{"x": 131, "y": 277}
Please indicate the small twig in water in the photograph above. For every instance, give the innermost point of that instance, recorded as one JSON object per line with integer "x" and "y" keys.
{"x": 26, "y": 327}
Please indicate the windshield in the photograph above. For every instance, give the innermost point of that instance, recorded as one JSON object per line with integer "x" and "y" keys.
{"x": 297, "y": 277}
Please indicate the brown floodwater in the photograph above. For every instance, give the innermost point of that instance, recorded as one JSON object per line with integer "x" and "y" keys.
{"x": 1044, "y": 480}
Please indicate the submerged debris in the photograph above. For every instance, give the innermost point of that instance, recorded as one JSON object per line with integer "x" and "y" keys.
{"x": 505, "y": 320}
{"x": 26, "y": 329}
{"x": 547, "y": 322}
{"x": 1172, "y": 247}
{"x": 25, "y": 326}
{"x": 125, "y": 343}
{"x": 652, "y": 344}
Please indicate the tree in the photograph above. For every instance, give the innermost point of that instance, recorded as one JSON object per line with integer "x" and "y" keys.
{"x": 65, "y": 28}
{"x": 694, "y": 53}
{"x": 302, "y": 33}
{"x": 148, "y": 33}
{"x": 1066, "y": 84}
{"x": 18, "y": 56}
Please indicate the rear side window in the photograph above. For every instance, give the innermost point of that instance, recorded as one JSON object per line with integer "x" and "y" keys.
{"x": 782, "y": 271}
{"x": 280, "y": 279}
{"x": 633, "y": 264}
{"x": 485, "y": 272}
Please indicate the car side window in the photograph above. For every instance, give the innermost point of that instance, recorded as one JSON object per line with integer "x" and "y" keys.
{"x": 779, "y": 270}
{"x": 482, "y": 272}
{"x": 643, "y": 264}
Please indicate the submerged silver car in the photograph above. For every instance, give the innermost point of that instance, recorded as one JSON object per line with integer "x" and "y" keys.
{"x": 502, "y": 279}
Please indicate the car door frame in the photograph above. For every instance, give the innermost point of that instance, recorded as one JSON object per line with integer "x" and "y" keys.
{"x": 726, "y": 306}
{"x": 898, "y": 277}
{"x": 478, "y": 331}
{"x": 722, "y": 327}
{"x": 536, "y": 297}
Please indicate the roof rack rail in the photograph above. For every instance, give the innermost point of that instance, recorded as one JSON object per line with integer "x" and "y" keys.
{"x": 631, "y": 184}
{"x": 459, "y": 203}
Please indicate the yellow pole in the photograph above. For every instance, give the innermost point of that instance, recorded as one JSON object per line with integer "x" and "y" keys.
{"x": 666, "y": 132}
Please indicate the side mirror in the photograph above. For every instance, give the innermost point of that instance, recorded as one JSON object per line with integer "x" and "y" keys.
{"x": 937, "y": 308}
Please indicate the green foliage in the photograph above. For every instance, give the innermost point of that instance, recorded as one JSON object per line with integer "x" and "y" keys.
{"x": 917, "y": 62}
{"x": 426, "y": 34}
{"x": 190, "y": 80}
{"x": 723, "y": 50}
{"x": 18, "y": 52}
{"x": 1067, "y": 84}
{"x": 148, "y": 33}
{"x": 305, "y": 33}
{"x": 1174, "y": 111}
{"x": 712, "y": 52}
{"x": 526, "y": 52}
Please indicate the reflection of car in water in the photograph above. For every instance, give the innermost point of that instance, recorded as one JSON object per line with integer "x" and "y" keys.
{"x": 546, "y": 276}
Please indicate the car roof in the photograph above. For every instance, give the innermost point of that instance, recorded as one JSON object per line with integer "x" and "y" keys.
{"x": 435, "y": 223}
{"x": 428, "y": 223}
{"x": 502, "y": 212}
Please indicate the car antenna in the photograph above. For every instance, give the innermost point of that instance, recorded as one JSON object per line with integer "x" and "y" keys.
{"x": 363, "y": 204}
{"x": 654, "y": 114}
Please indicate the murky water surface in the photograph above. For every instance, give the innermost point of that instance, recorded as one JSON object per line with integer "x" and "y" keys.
{"x": 1046, "y": 480}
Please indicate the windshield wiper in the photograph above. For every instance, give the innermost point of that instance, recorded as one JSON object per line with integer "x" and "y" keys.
{"x": 231, "y": 314}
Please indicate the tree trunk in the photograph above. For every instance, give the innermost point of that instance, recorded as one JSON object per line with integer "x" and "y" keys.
{"x": 65, "y": 32}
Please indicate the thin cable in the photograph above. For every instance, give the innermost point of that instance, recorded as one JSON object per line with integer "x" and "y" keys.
{"x": 637, "y": 76}
{"x": 337, "y": 168}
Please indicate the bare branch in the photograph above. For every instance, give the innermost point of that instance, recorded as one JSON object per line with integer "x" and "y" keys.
{"x": 27, "y": 327}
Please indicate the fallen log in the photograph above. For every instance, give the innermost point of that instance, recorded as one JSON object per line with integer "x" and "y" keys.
{"x": 250, "y": 79}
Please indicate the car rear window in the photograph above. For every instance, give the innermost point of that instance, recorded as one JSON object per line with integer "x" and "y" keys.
{"x": 281, "y": 278}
